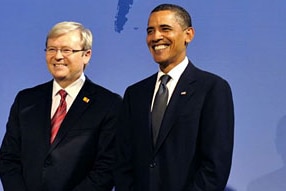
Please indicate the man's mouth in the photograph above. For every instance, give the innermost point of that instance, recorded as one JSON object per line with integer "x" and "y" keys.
{"x": 58, "y": 65}
{"x": 160, "y": 47}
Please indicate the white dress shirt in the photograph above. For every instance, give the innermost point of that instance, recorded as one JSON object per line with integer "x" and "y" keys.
{"x": 175, "y": 75}
{"x": 72, "y": 91}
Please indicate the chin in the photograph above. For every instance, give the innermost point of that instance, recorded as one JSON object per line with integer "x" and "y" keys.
{"x": 163, "y": 64}
{"x": 59, "y": 77}
{"x": 159, "y": 60}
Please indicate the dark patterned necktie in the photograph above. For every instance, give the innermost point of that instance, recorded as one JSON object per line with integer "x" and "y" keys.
{"x": 159, "y": 106}
{"x": 59, "y": 115}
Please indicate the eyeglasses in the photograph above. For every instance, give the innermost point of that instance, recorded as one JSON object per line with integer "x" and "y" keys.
{"x": 64, "y": 51}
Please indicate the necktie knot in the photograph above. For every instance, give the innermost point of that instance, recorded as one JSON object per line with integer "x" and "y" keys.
{"x": 63, "y": 94}
{"x": 165, "y": 79}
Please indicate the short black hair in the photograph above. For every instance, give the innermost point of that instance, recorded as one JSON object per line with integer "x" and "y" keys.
{"x": 184, "y": 18}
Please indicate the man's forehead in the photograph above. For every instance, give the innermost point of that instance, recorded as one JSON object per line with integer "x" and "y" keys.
{"x": 158, "y": 18}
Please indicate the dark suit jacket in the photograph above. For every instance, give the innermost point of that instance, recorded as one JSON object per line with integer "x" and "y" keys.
{"x": 195, "y": 142}
{"x": 81, "y": 156}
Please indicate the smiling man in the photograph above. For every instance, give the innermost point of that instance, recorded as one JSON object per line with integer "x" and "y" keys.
{"x": 176, "y": 127}
{"x": 60, "y": 134}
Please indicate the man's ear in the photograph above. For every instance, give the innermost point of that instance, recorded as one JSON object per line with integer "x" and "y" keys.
{"x": 86, "y": 56}
{"x": 87, "y": 53}
{"x": 190, "y": 33}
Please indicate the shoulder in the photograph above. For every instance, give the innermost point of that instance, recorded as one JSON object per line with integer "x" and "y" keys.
{"x": 38, "y": 90}
{"x": 207, "y": 78}
{"x": 33, "y": 95}
{"x": 143, "y": 84}
{"x": 100, "y": 91}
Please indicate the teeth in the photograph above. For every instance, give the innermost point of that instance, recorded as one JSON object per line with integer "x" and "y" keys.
{"x": 60, "y": 64}
{"x": 160, "y": 47}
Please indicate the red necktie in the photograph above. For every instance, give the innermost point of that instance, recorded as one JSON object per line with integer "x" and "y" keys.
{"x": 59, "y": 115}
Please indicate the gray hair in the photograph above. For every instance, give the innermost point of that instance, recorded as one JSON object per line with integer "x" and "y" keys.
{"x": 68, "y": 26}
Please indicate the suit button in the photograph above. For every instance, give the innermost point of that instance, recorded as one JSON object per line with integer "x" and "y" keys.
{"x": 48, "y": 162}
{"x": 153, "y": 164}
{"x": 46, "y": 165}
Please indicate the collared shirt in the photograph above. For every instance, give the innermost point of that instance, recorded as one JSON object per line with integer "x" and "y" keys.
{"x": 175, "y": 75}
{"x": 72, "y": 91}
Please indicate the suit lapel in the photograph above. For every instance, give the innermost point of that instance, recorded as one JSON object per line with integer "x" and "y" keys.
{"x": 184, "y": 90}
{"x": 38, "y": 114}
{"x": 149, "y": 91}
{"x": 46, "y": 114}
{"x": 145, "y": 95}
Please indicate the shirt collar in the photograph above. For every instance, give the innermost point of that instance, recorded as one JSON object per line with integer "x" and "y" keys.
{"x": 72, "y": 89}
{"x": 176, "y": 72}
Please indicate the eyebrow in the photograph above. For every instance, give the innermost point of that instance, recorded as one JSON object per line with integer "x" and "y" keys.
{"x": 161, "y": 26}
{"x": 165, "y": 25}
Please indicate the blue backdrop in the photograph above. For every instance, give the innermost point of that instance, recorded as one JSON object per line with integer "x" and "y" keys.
{"x": 243, "y": 41}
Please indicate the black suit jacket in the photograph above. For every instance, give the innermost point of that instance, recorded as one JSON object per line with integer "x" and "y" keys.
{"x": 81, "y": 156}
{"x": 195, "y": 142}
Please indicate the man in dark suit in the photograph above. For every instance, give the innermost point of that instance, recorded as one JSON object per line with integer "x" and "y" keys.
{"x": 192, "y": 149}
{"x": 79, "y": 156}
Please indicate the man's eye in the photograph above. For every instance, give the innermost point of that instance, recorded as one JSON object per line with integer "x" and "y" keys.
{"x": 51, "y": 50}
{"x": 149, "y": 31}
{"x": 66, "y": 50}
{"x": 166, "y": 29}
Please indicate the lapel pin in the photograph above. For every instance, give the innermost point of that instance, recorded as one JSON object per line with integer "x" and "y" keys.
{"x": 184, "y": 93}
{"x": 85, "y": 99}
